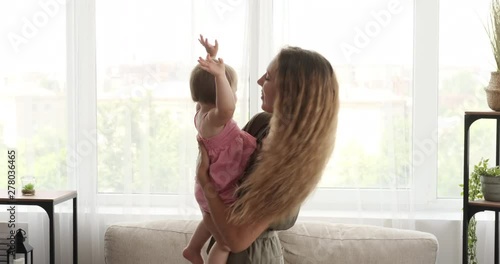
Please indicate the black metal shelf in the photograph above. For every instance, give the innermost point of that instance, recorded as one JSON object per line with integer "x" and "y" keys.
{"x": 470, "y": 208}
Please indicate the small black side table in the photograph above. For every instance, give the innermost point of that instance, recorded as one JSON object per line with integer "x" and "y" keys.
{"x": 47, "y": 200}
{"x": 470, "y": 208}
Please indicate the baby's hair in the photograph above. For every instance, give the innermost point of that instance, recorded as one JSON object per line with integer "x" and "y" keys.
{"x": 202, "y": 84}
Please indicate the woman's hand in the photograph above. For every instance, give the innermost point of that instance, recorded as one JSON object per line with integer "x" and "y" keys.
{"x": 237, "y": 238}
{"x": 211, "y": 49}
{"x": 202, "y": 175}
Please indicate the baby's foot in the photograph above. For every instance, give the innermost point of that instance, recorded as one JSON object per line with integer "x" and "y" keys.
{"x": 192, "y": 255}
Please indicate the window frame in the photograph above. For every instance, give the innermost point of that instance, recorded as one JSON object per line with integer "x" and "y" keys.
{"x": 82, "y": 116}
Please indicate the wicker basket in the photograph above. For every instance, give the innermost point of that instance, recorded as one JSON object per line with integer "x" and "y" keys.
{"x": 493, "y": 92}
{"x": 493, "y": 98}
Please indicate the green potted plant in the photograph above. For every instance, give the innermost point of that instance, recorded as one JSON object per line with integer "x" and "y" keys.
{"x": 28, "y": 189}
{"x": 479, "y": 188}
{"x": 493, "y": 30}
{"x": 28, "y": 186}
{"x": 490, "y": 180}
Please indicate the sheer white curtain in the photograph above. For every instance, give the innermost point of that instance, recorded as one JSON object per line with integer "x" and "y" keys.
{"x": 130, "y": 138}
{"x": 95, "y": 97}
{"x": 132, "y": 61}
{"x": 370, "y": 45}
{"x": 33, "y": 112}
{"x": 461, "y": 88}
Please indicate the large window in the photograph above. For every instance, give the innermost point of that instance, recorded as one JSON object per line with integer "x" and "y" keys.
{"x": 33, "y": 96}
{"x": 466, "y": 61}
{"x": 145, "y": 53}
{"x": 370, "y": 45}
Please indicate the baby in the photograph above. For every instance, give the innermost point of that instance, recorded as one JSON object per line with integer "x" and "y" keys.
{"x": 213, "y": 87}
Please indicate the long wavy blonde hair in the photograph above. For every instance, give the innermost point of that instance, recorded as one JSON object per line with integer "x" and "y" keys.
{"x": 300, "y": 140}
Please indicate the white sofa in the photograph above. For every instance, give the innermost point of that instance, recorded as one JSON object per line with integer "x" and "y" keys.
{"x": 161, "y": 242}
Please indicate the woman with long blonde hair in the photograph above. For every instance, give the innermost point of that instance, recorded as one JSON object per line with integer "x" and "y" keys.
{"x": 295, "y": 137}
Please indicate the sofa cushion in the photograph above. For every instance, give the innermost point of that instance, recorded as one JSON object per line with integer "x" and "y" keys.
{"x": 161, "y": 242}
{"x": 317, "y": 243}
{"x": 139, "y": 242}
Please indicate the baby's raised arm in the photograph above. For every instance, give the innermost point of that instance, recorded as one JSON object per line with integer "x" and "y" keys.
{"x": 211, "y": 49}
{"x": 225, "y": 102}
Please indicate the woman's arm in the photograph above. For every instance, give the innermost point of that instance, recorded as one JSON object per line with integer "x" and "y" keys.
{"x": 236, "y": 237}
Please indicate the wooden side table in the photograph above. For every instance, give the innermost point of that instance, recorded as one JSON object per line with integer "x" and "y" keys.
{"x": 47, "y": 200}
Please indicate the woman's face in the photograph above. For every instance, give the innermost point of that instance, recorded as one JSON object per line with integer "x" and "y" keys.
{"x": 268, "y": 84}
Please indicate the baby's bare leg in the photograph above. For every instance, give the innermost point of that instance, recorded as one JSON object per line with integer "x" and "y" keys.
{"x": 193, "y": 251}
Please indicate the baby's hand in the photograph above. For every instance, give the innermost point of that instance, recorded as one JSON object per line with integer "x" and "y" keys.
{"x": 215, "y": 67}
{"x": 211, "y": 49}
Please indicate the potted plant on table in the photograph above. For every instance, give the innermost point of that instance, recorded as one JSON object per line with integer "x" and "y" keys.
{"x": 493, "y": 30}
{"x": 484, "y": 182}
{"x": 28, "y": 189}
{"x": 28, "y": 184}
{"x": 490, "y": 180}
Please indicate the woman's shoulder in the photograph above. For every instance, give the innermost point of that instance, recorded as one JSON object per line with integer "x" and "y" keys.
{"x": 257, "y": 123}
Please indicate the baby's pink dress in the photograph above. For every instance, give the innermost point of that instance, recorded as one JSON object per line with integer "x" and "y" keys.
{"x": 229, "y": 153}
